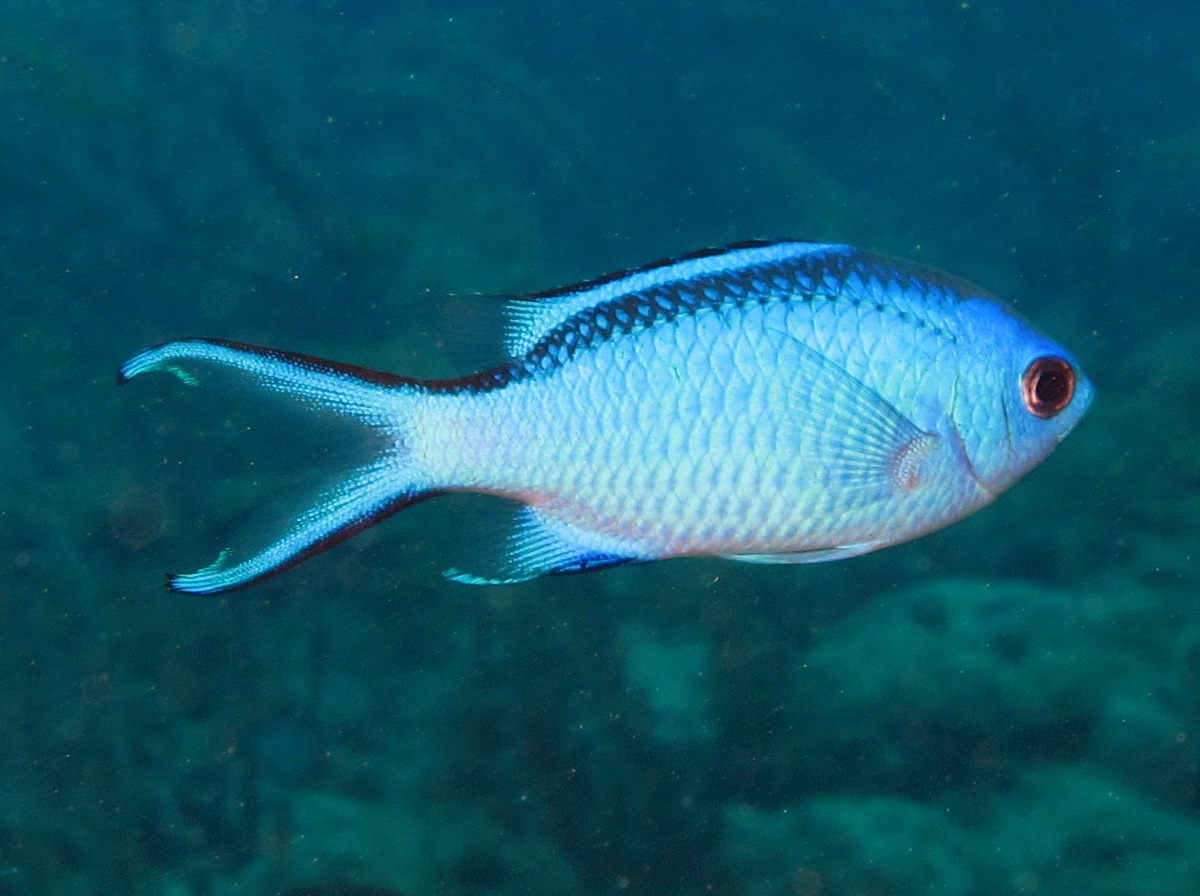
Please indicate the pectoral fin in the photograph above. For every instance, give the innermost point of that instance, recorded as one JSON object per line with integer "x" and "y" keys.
{"x": 842, "y": 427}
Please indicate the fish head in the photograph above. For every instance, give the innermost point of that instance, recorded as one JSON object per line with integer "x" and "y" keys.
{"x": 1017, "y": 395}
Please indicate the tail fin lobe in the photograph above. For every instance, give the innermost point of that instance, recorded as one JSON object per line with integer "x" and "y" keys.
{"x": 366, "y": 498}
{"x": 376, "y": 490}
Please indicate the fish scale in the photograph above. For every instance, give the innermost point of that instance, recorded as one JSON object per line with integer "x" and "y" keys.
{"x": 770, "y": 402}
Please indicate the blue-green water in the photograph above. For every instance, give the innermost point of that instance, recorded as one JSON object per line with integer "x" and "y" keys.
{"x": 1011, "y": 706}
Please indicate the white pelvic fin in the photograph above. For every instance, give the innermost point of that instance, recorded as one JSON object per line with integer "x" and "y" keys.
{"x": 820, "y": 555}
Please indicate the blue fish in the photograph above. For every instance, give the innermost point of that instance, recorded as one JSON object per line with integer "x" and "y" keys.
{"x": 771, "y": 402}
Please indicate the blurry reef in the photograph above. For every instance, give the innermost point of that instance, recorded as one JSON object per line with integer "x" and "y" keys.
{"x": 1009, "y": 707}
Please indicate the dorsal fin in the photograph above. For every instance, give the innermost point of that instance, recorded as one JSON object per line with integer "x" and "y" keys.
{"x": 530, "y": 318}
{"x": 544, "y": 330}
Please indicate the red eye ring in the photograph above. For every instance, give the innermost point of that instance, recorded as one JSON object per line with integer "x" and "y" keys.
{"x": 1047, "y": 386}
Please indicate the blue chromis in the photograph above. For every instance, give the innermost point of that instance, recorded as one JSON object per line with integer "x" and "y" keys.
{"x": 781, "y": 402}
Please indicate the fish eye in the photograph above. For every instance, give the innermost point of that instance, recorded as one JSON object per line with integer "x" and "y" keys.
{"x": 1047, "y": 386}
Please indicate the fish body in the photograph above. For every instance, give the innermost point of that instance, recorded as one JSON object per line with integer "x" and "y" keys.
{"x": 770, "y": 402}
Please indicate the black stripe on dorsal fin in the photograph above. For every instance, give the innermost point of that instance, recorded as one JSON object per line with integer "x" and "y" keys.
{"x": 534, "y": 317}
{"x": 544, "y": 330}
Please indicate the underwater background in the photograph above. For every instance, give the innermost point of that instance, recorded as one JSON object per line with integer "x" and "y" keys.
{"x": 1010, "y": 706}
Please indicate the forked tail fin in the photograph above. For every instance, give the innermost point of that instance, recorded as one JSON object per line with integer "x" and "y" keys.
{"x": 365, "y": 496}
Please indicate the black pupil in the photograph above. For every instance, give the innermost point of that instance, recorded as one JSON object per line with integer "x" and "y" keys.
{"x": 1052, "y": 386}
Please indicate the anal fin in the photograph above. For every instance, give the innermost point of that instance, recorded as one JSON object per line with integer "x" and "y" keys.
{"x": 534, "y": 545}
